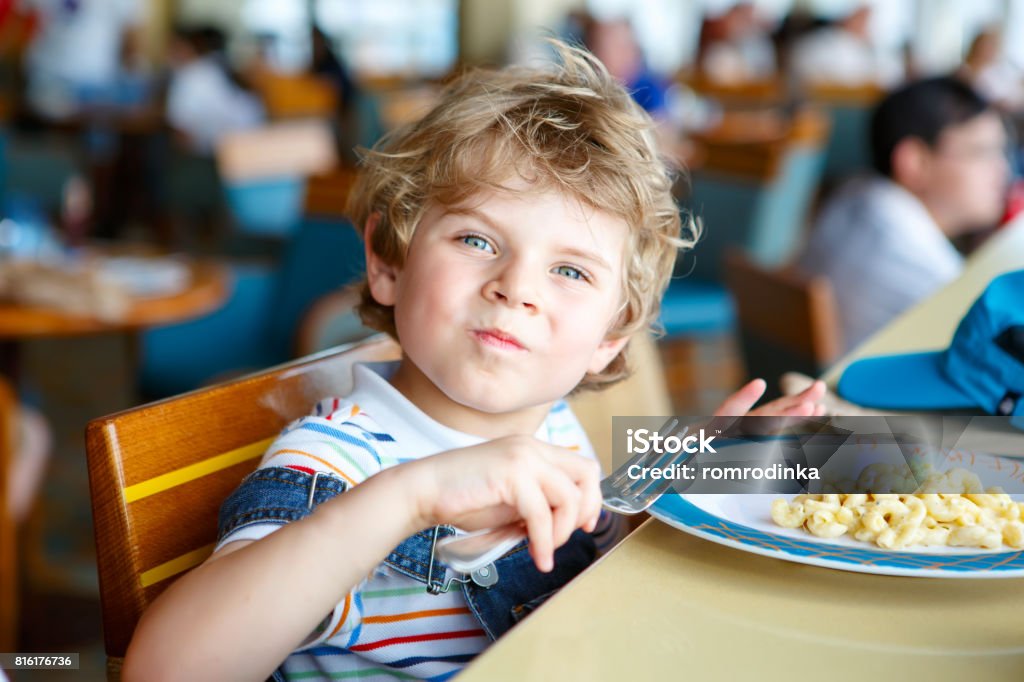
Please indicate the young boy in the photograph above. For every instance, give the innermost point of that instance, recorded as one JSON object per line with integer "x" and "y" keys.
{"x": 516, "y": 237}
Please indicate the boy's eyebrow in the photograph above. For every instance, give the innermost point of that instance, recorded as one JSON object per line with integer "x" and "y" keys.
{"x": 587, "y": 255}
{"x": 591, "y": 256}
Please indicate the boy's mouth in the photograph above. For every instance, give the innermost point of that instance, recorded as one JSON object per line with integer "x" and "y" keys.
{"x": 498, "y": 339}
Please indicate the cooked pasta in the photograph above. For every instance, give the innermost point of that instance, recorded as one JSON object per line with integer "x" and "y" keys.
{"x": 970, "y": 518}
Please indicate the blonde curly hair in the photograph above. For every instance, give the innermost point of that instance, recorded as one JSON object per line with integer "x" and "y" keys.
{"x": 570, "y": 127}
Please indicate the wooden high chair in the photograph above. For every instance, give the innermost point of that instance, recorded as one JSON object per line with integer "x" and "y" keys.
{"x": 158, "y": 474}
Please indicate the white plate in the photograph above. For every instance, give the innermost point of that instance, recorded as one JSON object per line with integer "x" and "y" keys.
{"x": 744, "y": 522}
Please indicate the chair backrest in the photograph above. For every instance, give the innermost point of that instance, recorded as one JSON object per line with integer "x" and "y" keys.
{"x": 256, "y": 327}
{"x": 327, "y": 192}
{"x": 158, "y": 473}
{"x": 755, "y": 196}
{"x": 264, "y": 173}
{"x": 787, "y": 321}
{"x": 741, "y": 93}
{"x": 298, "y": 95}
{"x": 850, "y": 108}
{"x": 8, "y": 534}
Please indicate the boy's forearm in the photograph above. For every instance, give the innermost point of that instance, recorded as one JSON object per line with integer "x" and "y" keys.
{"x": 239, "y": 617}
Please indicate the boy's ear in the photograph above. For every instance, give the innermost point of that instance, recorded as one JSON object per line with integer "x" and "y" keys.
{"x": 605, "y": 353}
{"x": 910, "y": 163}
{"x": 382, "y": 277}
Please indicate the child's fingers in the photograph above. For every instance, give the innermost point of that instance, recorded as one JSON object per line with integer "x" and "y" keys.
{"x": 586, "y": 474}
{"x": 536, "y": 514}
{"x": 564, "y": 500}
{"x": 740, "y": 402}
{"x": 814, "y": 392}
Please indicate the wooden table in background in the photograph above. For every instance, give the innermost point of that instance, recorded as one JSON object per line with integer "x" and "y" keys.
{"x": 207, "y": 289}
{"x": 77, "y": 368}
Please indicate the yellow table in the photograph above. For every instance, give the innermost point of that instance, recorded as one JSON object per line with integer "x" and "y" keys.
{"x": 666, "y": 605}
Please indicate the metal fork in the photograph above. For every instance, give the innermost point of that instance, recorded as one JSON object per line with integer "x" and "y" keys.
{"x": 619, "y": 492}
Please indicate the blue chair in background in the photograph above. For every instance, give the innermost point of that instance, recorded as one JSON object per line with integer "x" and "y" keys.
{"x": 39, "y": 170}
{"x": 267, "y": 207}
{"x": 256, "y": 328}
{"x": 264, "y": 173}
{"x": 756, "y": 196}
{"x": 848, "y": 151}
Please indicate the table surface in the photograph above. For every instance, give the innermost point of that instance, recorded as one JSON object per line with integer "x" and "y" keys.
{"x": 208, "y": 288}
{"x": 666, "y": 605}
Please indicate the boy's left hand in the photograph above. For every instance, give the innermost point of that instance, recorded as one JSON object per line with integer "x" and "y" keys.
{"x": 807, "y": 403}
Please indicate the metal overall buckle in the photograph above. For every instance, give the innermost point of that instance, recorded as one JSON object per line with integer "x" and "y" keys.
{"x": 485, "y": 576}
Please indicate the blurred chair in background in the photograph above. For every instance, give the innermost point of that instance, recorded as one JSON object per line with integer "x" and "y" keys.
{"x": 298, "y": 95}
{"x": 39, "y": 170}
{"x": 264, "y": 173}
{"x": 158, "y": 474}
{"x": 849, "y": 108}
{"x": 327, "y": 192}
{"x": 787, "y": 321}
{"x": 257, "y": 326}
{"x": 754, "y": 194}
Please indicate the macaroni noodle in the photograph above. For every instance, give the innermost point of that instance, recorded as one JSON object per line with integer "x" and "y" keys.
{"x": 971, "y": 518}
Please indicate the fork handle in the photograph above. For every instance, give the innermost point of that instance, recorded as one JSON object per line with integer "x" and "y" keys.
{"x": 472, "y": 551}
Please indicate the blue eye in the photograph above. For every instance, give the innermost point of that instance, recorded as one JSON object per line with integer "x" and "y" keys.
{"x": 570, "y": 272}
{"x": 477, "y": 242}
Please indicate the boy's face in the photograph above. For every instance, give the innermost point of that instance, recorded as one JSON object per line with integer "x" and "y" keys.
{"x": 965, "y": 180}
{"x": 506, "y": 305}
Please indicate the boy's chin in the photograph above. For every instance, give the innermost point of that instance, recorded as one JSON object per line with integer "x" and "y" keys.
{"x": 501, "y": 402}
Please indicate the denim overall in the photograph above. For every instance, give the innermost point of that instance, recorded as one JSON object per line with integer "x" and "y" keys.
{"x": 499, "y": 596}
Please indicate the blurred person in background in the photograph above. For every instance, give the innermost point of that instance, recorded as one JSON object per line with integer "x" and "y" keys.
{"x": 843, "y": 53}
{"x": 736, "y": 47}
{"x": 75, "y": 57}
{"x": 991, "y": 74}
{"x": 204, "y": 98}
{"x": 615, "y": 44}
{"x": 354, "y": 108}
{"x": 326, "y": 64}
{"x": 941, "y": 172}
{"x": 204, "y": 101}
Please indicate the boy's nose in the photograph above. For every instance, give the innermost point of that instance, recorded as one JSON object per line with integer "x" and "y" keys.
{"x": 513, "y": 287}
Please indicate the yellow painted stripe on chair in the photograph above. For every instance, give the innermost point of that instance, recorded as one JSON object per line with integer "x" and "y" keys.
{"x": 171, "y": 479}
{"x": 176, "y": 566}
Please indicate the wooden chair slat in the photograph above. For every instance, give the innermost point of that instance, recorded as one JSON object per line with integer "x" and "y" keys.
{"x": 166, "y": 455}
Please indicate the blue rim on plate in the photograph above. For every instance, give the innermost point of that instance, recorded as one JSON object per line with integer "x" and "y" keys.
{"x": 680, "y": 513}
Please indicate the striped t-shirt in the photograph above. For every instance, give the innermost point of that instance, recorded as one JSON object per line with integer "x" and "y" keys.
{"x": 389, "y": 627}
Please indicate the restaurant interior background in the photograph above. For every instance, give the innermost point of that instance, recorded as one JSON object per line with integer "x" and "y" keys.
{"x": 126, "y": 188}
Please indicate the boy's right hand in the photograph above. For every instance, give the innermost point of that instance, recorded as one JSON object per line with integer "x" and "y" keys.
{"x": 550, "y": 489}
